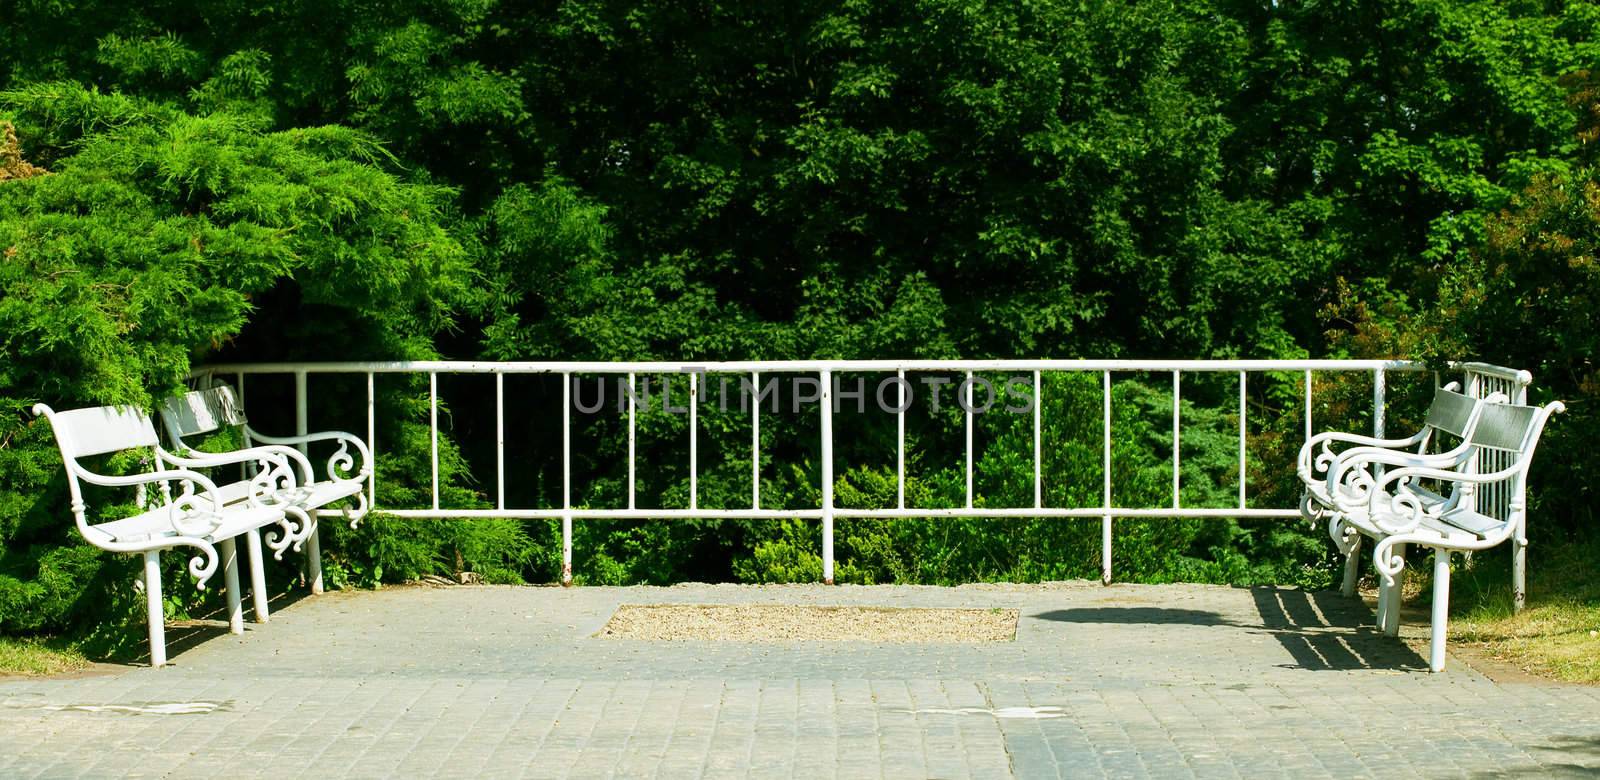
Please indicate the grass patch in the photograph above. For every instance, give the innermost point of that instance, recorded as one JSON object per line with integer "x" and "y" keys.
{"x": 33, "y": 656}
{"x": 1558, "y": 634}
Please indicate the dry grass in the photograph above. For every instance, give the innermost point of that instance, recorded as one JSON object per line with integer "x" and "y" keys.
{"x": 33, "y": 657}
{"x": 1560, "y": 640}
{"x": 1557, "y": 636}
{"x": 791, "y": 623}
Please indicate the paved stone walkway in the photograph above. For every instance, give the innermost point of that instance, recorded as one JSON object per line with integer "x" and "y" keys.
{"x": 1126, "y": 681}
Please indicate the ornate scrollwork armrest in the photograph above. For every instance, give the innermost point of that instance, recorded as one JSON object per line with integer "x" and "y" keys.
{"x": 341, "y": 465}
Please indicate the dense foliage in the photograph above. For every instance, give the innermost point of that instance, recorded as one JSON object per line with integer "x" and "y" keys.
{"x": 589, "y": 179}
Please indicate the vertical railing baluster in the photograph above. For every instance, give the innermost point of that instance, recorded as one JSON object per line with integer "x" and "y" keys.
{"x": 1038, "y": 461}
{"x": 372, "y": 442}
{"x": 694, "y": 442}
{"x": 566, "y": 478}
{"x": 827, "y": 476}
{"x": 1105, "y": 522}
{"x": 1519, "y": 538}
{"x": 968, "y": 388}
{"x": 500, "y": 437}
{"x": 1379, "y": 403}
{"x": 244, "y": 472}
{"x": 1176, "y": 440}
{"x": 632, "y": 415}
{"x": 1243, "y": 434}
{"x": 301, "y": 423}
{"x": 313, "y": 545}
{"x": 1308, "y": 405}
{"x": 755, "y": 440}
{"x": 433, "y": 433}
{"x": 900, "y": 442}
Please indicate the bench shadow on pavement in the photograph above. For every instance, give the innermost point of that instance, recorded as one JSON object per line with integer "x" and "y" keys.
{"x": 1570, "y": 756}
{"x": 1322, "y": 630}
{"x": 208, "y": 625}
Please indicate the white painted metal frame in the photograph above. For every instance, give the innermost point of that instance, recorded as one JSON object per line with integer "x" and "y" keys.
{"x": 205, "y": 411}
{"x": 196, "y": 514}
{"x": 828, "y": 513}
{"x": 1380, "y": 510}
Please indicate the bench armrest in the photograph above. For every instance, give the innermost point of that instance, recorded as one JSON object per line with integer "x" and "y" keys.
{"x": 1361, "y": 459}
{"x": 1310, "y": 462}
{"x": 1399, "y": 512}
{"x": 264, "y": 455}
{"x": 184, "y": 509}
{"x": 341, "y": 466}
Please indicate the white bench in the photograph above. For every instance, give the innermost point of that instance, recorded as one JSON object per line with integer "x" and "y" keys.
{"x": 203, "y": 412}
{"x": 1450, "y": 412}
{"x": 195, "y": 515}
{"x": 1389, "y": 506}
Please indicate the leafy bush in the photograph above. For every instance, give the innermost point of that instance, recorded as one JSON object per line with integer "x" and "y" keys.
{"x": 146, "y": 249}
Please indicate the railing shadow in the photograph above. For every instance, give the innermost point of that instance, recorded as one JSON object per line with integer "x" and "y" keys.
{"x": 1321, "y": 630}
{"x": 1135, "y": 616}
{"x": 1577, "y": 757}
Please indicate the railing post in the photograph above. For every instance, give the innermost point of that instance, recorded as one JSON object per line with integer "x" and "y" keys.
{"x": 500, "y": 437}
{"x": 755, "y": 440}
{"x": 1308, "y": 405}
{"x": 1038, "y": 467}
{"x": 1379, "y": 410}
{"x": 301, "y": 424}
{"x": 632, "y": 417}
{"x": 694, "y": 441}
{"x": 1519, "y": 540}
{"x": 827, "y": 476}
{"x": 1105, "y": 522}
{"x": 566, "y": 478}
{"x": 313, "y": 543}
{"x": 1177, "y": 445}
{"x": 433, "y": 433}
{"x": 372, "y": 442}
{"x": 900, "y": 441}
{"x": 968, "y": 410}
{"x": 244, "y": 470}
{"x": 1244, "y": 432}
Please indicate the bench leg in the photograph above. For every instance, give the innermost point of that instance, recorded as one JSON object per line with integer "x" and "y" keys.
{"x": 258, "y": 575}
{"x": 230, "y": 584}
{"x": 1519, "y": 573}
{"x": 155, "y": 614}
{"x": 1391, "y": 616}
{"x": 1382, "y": 618}
{"x": 1441, "y": 608}
{"x": 314, "y": 559}
{"x": 1352, "y": 568}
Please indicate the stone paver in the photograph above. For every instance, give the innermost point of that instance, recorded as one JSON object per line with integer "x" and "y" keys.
{"x": 1125, "y": 681}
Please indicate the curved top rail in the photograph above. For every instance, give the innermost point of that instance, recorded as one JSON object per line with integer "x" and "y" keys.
{"x": 802, "y": 366}
{"x": 1520, "y": 376}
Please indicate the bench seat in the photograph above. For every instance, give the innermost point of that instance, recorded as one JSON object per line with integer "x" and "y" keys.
{"x": 315, "y": 494}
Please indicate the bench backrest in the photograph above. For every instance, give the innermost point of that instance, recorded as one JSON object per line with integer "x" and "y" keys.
{"x": 1504, "y": 439}
{"x": 201, "y": 412}
{"x": 1509, "y": 427}
{"x": 99, "y": 430}
{"x": 1451, "y": 412}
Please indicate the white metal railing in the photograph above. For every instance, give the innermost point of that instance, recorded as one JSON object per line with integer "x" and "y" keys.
{"x": 1480, "y": 379}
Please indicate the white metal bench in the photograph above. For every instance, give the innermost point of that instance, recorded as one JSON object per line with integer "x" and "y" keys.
{"x": 1450, "y": 412}
{"x": 195, "y": 515}
{"x": 203, "y": 412}
{"x": 1386, "y": 505}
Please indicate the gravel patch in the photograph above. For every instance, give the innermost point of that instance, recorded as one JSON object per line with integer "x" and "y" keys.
{"x": 796, "y": 623}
